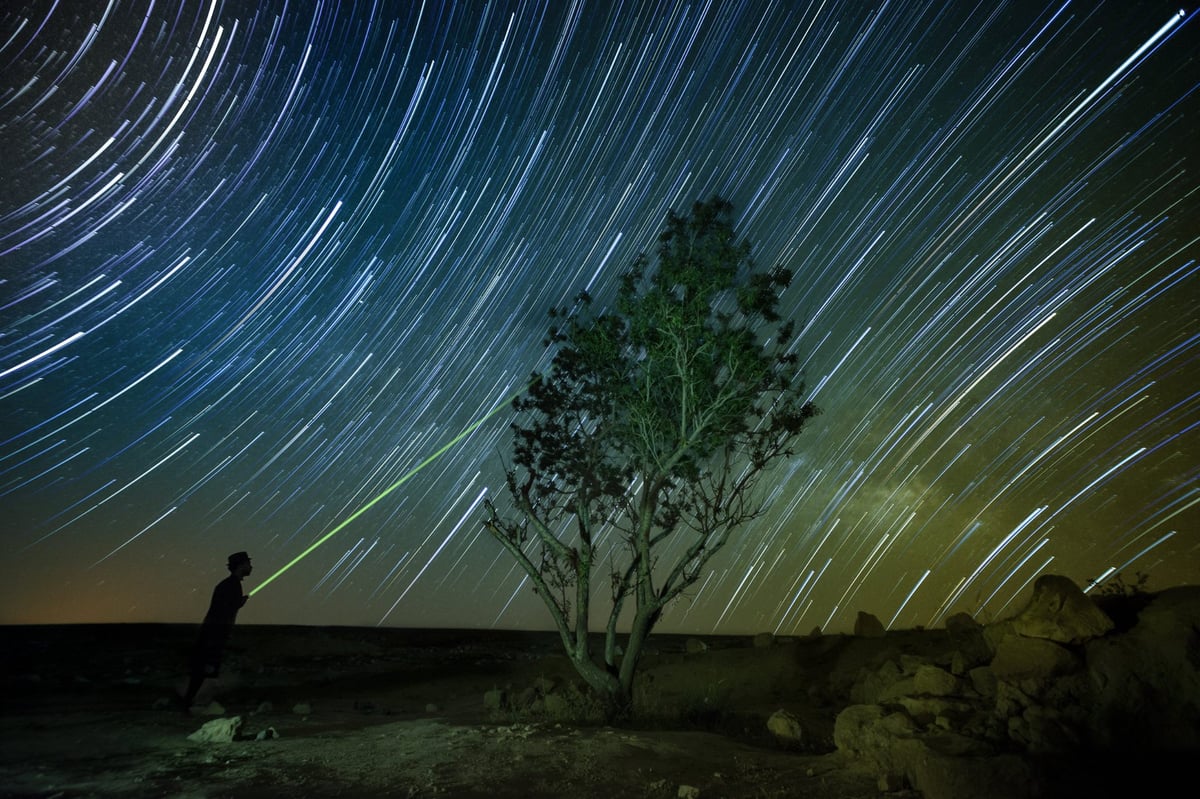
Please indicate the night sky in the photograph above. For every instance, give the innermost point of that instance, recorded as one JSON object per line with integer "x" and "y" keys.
{"x": 259, "y": 260}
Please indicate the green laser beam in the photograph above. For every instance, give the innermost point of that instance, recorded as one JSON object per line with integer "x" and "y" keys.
{"x": 466, "y": 432}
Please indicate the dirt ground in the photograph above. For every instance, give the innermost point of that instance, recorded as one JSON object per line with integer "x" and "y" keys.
{"x": 88, "y": 711}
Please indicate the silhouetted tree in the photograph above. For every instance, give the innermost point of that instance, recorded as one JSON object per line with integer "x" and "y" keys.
{"x": 640, "y": 449}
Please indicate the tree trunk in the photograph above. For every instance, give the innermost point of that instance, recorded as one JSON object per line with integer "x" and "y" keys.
{"x": 639, "y": 631}
{"x": 602, "y": 681}
{"x": 606, "y": 687}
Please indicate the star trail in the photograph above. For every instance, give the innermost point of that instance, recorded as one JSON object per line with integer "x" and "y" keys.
{"x": 260, "y": 261}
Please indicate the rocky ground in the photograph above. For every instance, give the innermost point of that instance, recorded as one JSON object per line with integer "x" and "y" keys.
{"x": 376, "y": 712}
{"x": 1004, "y": 710}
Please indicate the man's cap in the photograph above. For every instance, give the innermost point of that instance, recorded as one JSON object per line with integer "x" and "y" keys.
{"x": 237, "y": 558}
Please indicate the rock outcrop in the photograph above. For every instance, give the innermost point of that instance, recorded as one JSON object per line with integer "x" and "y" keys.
{"x": 1056, "y": 683}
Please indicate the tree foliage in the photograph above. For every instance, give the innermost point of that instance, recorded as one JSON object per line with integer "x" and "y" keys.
{"x": 640, "y": 449}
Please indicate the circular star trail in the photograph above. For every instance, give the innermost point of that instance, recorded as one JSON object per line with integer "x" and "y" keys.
{"x": 259, "y": 260}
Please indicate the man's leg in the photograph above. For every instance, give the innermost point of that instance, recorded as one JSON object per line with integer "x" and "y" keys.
{"x": 204, "y": 665}
{"x": 192, "y": 689}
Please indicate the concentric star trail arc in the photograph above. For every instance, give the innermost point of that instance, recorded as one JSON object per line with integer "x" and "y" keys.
{"x": 260, "y": 262}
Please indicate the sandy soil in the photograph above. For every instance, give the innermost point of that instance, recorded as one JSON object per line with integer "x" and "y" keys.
{"x": 87, "y": 711}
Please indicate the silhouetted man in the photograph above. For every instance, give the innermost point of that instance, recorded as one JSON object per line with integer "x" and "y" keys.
{"x": 227, "y": 600}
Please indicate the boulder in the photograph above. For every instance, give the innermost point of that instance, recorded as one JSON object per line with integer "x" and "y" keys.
{"x": 213, "y": 708}
{"x": 1020, "y": 658}
{"x": 983, "y": 681}
{"x": 943, "y": 767}
{"x": 1042, "y": 731}
{"x": 876, "y": 686}
{"x": 868, "y": 626}
{"x": 961, "y": 622}
{"x": 1147, "y": 680}
{"x": 1060, "y": 611}
{"x": 870, "y": 732}
{"x": 935, "y": 681}
{"x": 946, "y": 776}
{"x": 930, "y": 710}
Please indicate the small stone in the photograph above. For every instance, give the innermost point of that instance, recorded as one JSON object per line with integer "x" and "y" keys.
{"x": 785, "y": 726}
{"x": 266, "y": 735}
{"x": 495, "y": 700}
{"x": 217, "y": 730}
{"x": 302, "y": 708}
